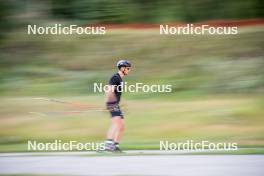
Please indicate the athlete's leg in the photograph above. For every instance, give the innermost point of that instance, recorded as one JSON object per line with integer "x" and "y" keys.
{"x": 115, "y": 133}
{"x": 119, "y": 124}
{"x": 116, "y": 130}
{"x": 111, "y": 132}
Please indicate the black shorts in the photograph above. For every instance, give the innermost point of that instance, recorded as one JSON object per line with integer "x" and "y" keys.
{"x": 114, "y": 109}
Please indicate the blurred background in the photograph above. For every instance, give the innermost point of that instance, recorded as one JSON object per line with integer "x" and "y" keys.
{"x": 217, "y": 80}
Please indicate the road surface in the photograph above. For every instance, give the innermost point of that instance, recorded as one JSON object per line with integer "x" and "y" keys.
{"x": 143, "y": 165}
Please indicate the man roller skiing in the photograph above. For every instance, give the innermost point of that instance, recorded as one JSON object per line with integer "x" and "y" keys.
{"x": 113, "y": 96}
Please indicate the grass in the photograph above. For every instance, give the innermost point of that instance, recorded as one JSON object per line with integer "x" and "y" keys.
{"x": 217, "y": 87}
{"x": 68, "y": 65}
{"x": 216, "y": 119}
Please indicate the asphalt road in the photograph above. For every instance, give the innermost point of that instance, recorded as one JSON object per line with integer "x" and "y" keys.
{"x": 183, "y": 165}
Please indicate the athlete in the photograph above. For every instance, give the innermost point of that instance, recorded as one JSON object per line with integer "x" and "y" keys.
{"x": 113, "y": 96}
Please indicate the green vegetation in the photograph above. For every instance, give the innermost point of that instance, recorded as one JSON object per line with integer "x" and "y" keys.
{"x": 137, "y": 11}
{"x": 217, "y": 80}
{"x": 194, "y": 65}
{"x": 216, "y": 119}
{"x": 217, "y": 87}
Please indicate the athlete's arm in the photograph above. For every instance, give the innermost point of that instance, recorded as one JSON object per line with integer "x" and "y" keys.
{"x": 110, "y": 94}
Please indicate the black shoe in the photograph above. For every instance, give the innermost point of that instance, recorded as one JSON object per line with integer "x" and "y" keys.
{"x": 118, "y": 150}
